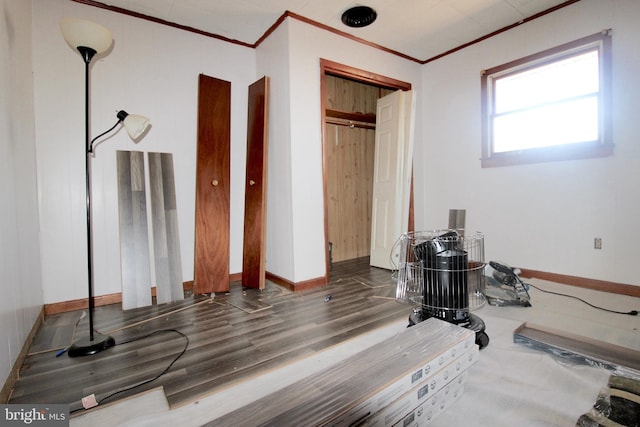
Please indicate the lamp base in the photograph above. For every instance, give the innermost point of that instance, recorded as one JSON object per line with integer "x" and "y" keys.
{"x": 87, "y": 347}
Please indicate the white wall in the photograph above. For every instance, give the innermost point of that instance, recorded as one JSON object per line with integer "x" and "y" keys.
{"x": 151, "y": 70}
{"x": 20, "y": 280}
{"x": 272, "y": 59}
{"x": 540, "y": 216}
{"x": 296, "y": 242}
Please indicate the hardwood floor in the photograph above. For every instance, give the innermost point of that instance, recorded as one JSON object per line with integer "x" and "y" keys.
{"x": 231, "y": 337}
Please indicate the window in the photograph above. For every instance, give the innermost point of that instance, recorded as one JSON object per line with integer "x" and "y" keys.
{"x": 553, "y": 105}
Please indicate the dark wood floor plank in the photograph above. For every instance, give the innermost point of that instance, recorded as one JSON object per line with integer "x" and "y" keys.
{"x": 227, "y": 343}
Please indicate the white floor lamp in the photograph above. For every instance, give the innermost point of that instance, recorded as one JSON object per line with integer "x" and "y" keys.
{"x": 90, "y": 39}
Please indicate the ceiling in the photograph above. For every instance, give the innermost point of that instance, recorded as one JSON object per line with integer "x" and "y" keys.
{"x": 420, "y": 29}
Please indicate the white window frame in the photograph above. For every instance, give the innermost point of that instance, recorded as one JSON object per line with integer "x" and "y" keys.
{"x": 601, "y": 147}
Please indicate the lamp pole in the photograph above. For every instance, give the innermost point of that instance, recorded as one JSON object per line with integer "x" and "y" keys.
{"x": 87, "y": 55}
{"x": 89, "y": 39}
{"x": 102, "y": 342}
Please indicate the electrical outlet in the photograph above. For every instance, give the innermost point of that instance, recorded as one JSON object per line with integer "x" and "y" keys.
{"x": 597, "y": 243}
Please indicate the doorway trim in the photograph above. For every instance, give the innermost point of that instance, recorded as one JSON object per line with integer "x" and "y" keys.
{"x": 362, "y": 76}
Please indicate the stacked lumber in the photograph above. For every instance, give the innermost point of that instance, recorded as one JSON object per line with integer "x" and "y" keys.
{"x": 406, "y": 380}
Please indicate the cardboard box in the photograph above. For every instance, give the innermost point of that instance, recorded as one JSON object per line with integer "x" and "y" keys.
{"x": 349, "y": 391}
{"x": 404, "y": 404}
{"x": 425, "y": 413}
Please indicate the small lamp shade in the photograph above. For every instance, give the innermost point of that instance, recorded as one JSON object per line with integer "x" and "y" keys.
{"x": 135, "y": 125}
{"x": 82, "y": 33}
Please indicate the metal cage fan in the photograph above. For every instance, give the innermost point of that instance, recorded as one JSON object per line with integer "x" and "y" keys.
{"x": 440, "y": 274}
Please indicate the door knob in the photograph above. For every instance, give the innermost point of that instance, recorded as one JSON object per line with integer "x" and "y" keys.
{"x": 251, "y": 182}
{"x": 215, "y": 182}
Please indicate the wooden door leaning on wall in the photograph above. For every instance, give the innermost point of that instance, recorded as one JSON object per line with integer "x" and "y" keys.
{"x": 211, "y": 270}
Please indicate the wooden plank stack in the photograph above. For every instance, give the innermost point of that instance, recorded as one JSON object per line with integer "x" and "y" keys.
{"x": 406, "y": 380}
{"x": 134, "y": 238}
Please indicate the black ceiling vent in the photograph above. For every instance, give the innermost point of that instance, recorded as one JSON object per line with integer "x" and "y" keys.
{"x": 359, "y": 16}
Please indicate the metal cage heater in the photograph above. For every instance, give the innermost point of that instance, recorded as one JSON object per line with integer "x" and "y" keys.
{"x": 441, "y": 275}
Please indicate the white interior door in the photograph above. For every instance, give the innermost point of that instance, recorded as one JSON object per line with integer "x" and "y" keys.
{"x": 391, "y": 176}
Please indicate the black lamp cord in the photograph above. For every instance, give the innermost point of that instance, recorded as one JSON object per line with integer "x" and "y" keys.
{"x": 186, "y": 345}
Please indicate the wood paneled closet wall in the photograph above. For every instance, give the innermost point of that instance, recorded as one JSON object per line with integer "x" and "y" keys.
{"x": 350, "y": 143}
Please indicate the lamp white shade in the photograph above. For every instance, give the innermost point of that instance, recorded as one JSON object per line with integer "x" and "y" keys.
{"x": 135, "y": 125}
{"x": 83, "y": 33}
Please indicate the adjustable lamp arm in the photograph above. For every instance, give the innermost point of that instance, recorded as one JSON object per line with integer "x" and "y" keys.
{"x": 90, "y": 147}
{"x": 135, "y": 125}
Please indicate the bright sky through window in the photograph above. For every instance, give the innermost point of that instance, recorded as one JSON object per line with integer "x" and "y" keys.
{"x": 547, "y": 105}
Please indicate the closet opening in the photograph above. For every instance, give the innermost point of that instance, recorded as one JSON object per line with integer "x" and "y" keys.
{"x": 349, "y": 98}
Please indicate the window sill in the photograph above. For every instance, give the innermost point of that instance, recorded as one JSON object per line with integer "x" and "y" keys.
{"x": 548, "y": 154}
